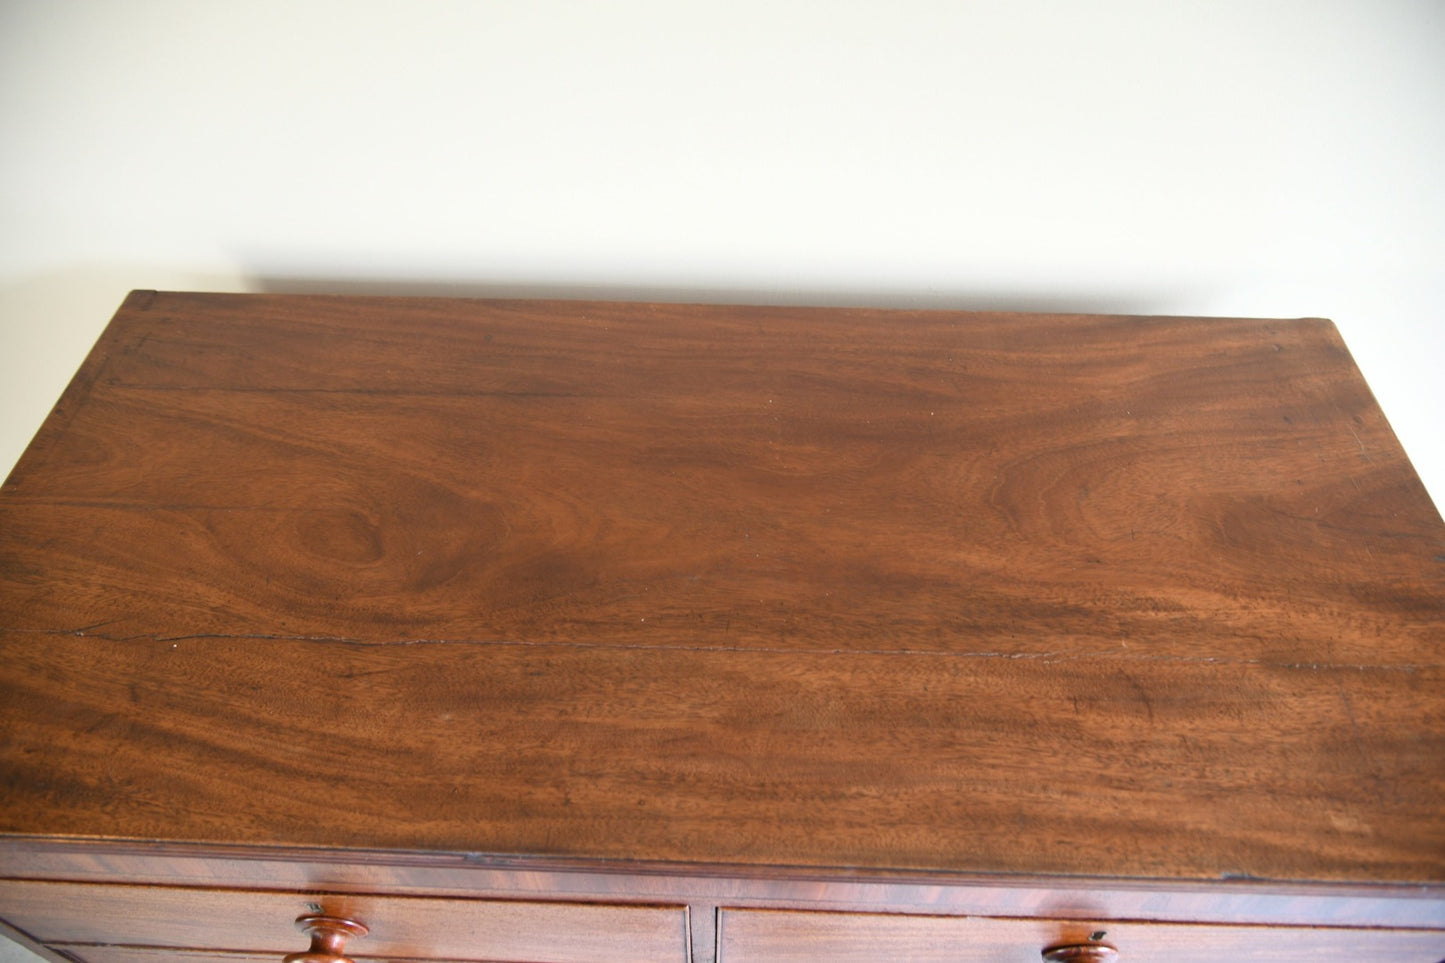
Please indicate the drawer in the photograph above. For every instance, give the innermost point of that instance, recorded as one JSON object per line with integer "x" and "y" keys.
{"x": 237, "y": 924}
{"x": 145, "y": 954}
{"x": 161, "y": 954}
{"x": 755, "y": 936}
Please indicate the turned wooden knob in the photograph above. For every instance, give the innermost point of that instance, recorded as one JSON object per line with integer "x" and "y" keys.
{"x": 1081, "y": 953}
{"x": 328, "y": 938}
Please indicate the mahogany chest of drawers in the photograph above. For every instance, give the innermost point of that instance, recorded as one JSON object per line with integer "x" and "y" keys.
{"x": 578, "y": 631}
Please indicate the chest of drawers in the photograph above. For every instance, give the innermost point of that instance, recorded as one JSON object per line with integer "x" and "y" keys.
{"x": 575, "y": 631}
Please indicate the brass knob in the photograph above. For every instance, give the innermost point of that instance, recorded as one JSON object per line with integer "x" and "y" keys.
{"x": 328, "y": 938}
{"x": 1081, "y": 953}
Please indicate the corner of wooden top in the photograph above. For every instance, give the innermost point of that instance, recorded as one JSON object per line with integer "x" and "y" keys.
{"x": 138, "y": 300}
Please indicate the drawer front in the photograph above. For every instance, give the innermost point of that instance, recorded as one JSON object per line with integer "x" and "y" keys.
{"x": 767, "y": 936}
{"x": 72, "y": 916}
{"x": 159, "y": 954}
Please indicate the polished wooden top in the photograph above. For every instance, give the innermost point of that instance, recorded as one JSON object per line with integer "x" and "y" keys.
{"x": 727, "y": 586}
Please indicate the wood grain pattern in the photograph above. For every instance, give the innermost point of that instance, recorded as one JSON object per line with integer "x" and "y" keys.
{"x": 728, "y": 590}
{"x": 1017, "y": 765}
{"x": 653, "y": 475}
{"x": 774, "y": 937}
{"x": 402, "y": 927}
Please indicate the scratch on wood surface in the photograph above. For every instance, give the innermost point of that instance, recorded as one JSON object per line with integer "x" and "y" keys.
{"x": 90, "y": 629}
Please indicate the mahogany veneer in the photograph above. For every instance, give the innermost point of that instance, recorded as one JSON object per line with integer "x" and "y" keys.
{"x": 592, "y": 631}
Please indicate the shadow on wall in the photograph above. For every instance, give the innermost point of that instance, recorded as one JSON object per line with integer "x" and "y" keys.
{"x": 1064, "y": 301}
{"x": 75, "y": 302}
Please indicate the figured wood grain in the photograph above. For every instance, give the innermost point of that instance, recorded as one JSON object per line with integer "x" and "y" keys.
{"x": 781, "y": 937}
{"x": 400, "y": 927}
{"x": 982, "y": 595}
{"x": 821, "y": 759}
{"x": 765, "y": 478}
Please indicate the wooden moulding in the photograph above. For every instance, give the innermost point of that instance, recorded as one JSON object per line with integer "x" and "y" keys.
{"x": 1235, "y": 901}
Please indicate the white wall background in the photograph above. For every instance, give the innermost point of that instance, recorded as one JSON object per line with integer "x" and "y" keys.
{"x": 1241, "y": 158}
